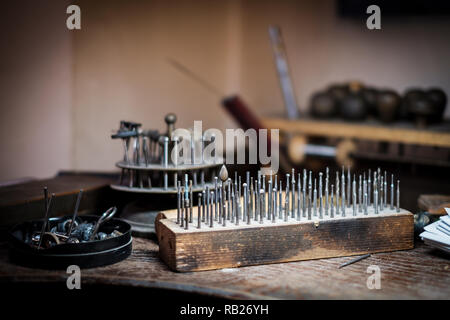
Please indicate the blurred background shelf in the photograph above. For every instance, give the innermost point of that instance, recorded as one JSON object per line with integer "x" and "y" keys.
{"x": 401, "y": 132}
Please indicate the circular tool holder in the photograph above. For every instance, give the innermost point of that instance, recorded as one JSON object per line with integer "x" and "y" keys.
{"x": 148, "y": 166}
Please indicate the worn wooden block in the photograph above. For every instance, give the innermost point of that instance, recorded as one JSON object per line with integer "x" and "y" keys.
{"x": 235, "y": 246}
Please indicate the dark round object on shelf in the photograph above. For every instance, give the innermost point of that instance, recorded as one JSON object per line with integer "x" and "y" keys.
{"x": 387, "y": 103}
{"x": 338, "y": 92}
{"x": 423, "y": 110}
{"x": 439, "y": 99}
{"x": 409, "y": 97}
{"x": 370, "y": 96}
{"x": 323, "y": 105}
{"x": 353, "y": 107}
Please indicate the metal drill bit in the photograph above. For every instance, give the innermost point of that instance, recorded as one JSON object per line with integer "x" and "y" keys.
{"x": 348, "y": 186}
{"x": 182, "y": 209}
{"x": 337, "y": 193}
{"x": 315, "y": 198}
{"x": 360, "y": 195}
{"x": 203, "y": 205}
{"x": 286, "y": 206}
{"x": 392, "y": 192}
{"x": 199, "y": 211}
{"x": 385, "y": 189}
{"x": 365, "y": 203}
{"x": 246, "y": 214}
{"x": 270, "y": 195}
{"x": 215, "y": 197}
{"x": 343, "y": 192}
{"x": 211, "y": 216}
{"x": 286, "y": 198}
{"x": 220, "y": 203}
{"x": 208, "y": 201}
{"x": 166, "y": 161}
{"x": 298, "y": 196}
{"x": 374, "y": 187}
{"x": 293, "y": 194}
{"x": 233, "y": 207}
{"x": 224, "y": 218}
{"x": 310, "y": 195}
{"x": 223, "y": 174}
{"x": 46, "y": 217}
{"x": 381, "y": 193}
{"x": 354, "y": 196}
{"x": 250, "y": 200}
{"x": 378, "y": 175}
{"x": 354, "y": 260}
{"x": 304, "y": 194}
{"x": 398, "y": 195}
{"x": 327, "y": 181}
{"x": 191, "y": 201}
{"x": 229, "y": 204}
{"x": 331, "y": 202}
{"x": 237, "y": 205}
{"x": 186, "y": 213}
{"x": 261, "y": 198}
{"x": 375, "y": 200}
{"x": 369, "y": 186}
{"x": 288, "y": 194}
{"x": 274, "y": 201}
{"x": 75, "y": 212}
{"x": 365, "y": 190}
{"x": 309, "y": 203}
{"x": 280, "y": 201}
{"x": 320, "y": 196}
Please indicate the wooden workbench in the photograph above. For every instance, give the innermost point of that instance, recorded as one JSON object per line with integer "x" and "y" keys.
{"x": 420, "y": 273}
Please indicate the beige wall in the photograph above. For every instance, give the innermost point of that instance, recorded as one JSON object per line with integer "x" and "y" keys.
{"x": 324, "y": 48}
{"x": 122, "y": 72}
{"x": 70, "y": 89}
{"x": 35, "y": 89}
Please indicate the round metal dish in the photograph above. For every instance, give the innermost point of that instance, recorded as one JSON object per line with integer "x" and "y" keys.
{"x": 170, "y": 167}
{"x": 157, "y": 189}
{"x": 85, "y": 254}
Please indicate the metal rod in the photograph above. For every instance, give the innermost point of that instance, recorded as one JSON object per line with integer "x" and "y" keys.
{"x": 45, "y": 222}
{"x": 75, "y": 212}
{"x": 354, "y": 260}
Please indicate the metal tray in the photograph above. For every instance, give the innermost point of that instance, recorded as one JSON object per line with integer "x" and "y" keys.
{"x": 85, "y": 254}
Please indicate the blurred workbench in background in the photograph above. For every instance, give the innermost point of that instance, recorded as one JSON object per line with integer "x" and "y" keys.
{"x": 398, "y": 142}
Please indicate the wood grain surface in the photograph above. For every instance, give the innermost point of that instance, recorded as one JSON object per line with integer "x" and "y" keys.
{"x": 234, "y": 246}
{"x": 420, "y": 273}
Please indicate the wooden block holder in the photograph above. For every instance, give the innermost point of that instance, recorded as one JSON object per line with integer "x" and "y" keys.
{"x": 244, "y": 245}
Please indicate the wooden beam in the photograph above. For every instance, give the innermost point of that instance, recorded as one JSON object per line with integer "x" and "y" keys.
{"x": 373, "y": 132}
